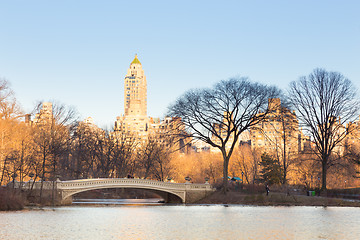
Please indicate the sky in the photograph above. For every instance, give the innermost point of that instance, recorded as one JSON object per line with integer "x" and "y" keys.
{"x": 77, "y": 52}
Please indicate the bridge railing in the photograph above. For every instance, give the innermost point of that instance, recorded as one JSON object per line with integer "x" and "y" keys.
{"x": 34, "y": 185}
{"x": 113, "y": 182}
{"x": 82, "y": 183}
{"x": 199, "y": 186}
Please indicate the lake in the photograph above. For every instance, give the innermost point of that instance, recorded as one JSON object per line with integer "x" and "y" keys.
{"x": 161, "y": 221}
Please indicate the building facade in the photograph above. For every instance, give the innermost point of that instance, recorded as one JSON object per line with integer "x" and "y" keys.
{"x": 45, "y": 114}
{"x": 353, "y": 136}
{"x": 134, "y": 121}
{"x": 279, "y": 132}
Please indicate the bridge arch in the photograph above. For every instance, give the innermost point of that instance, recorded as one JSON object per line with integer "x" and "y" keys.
{"x": 178, "y": 192}
{"x": 168, "y": 196}
{"x": 171, "y": 192}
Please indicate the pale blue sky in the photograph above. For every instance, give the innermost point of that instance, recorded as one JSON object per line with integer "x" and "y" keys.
{"x": 78, "y": 52}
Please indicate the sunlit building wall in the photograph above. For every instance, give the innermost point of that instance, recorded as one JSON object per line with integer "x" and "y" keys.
{"x": 279, "y": 131}
{"x": 221, "y": 130}
{"x": 135, "y": 122}
{"x": 45, "y": 114}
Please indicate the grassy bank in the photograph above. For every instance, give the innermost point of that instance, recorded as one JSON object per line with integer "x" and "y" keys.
{"x": 274, "y": 199}
{"x": 10, "y": 200}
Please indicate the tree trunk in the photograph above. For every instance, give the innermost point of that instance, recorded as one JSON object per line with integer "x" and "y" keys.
{"x": 53, "y": 183}
{"x": 225, "y": 174}
{"x": 3, "y": 172}
{"x": 324, "y": 172}
{"x": 284, "y": 157}
{"x": 43, "y": 175}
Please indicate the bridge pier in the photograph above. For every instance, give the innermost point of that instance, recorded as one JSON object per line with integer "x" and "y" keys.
{"x": 170, "y": 198}
{"x": 66, "y": 201}
{"x": 192, "y": 196}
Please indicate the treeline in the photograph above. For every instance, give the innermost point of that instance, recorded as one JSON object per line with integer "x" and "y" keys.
{"x": 326, "y": 104}
{"x": 68, "y": 149}
{"x": 60, "y": 146}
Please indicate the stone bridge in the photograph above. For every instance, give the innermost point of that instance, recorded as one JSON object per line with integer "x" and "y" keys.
{"x": 170, "y": 192}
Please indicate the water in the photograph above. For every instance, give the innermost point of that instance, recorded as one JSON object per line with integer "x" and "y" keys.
{"x": 149, "y": 201}
{"x": 181, "y": 222}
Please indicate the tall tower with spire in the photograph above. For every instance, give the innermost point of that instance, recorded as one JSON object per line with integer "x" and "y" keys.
{"x": 135, "y": 90}
{"x": 135, "y": 120}
{"x": 135, "y": 123}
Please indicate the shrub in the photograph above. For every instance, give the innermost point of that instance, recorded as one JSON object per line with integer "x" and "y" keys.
{"x": 10, "y": 200}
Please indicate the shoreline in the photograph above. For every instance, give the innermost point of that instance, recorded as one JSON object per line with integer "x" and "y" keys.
{"x": 275, "y": 199}
{"x": 235, "y": 198}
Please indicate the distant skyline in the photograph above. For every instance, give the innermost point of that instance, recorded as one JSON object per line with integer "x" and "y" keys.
{"x": 78, "y": 52}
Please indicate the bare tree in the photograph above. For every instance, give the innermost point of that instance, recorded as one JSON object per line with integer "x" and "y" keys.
{"x": 283, "y": 136}
{"x": 324, "y": 101}
{"x": 85, "y": 143}
{"x": 124, "y": 148}
{"x": 52, "y": 126}
{"x": 219, "y": 115}
{"x": 9, "y": 115}
{"x": 247, "y": 162}
{"x": 101, "y": 153}
{"x": 154, "y": 159}
{"x": 353, "y": 154}
{"x": 162, "y": 167}
{"x": 6, "y": 96}
{"x": 147, "y": 155}
{"x": 7, "y": 129}
{"x": 21, "y": 153}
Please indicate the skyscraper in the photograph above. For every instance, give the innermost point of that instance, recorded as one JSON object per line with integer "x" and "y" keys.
{"x": 135, "y": 90}
{"x": 135, "y": 120}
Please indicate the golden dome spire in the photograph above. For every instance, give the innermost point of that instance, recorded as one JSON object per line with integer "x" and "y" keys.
{"x": 136, "y": 60}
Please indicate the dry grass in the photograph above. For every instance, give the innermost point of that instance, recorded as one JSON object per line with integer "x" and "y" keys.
{"x": 274, "y": 199}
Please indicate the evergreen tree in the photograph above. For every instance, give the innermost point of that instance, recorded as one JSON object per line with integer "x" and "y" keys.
{"x": 271, "y": 170}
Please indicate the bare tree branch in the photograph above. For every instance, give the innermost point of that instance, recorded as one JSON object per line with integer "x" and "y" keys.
{"x": 325, "y": 101}
{"x": 219, "y": 115}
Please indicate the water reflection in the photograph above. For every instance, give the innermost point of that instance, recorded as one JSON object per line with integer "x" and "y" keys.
{"x": 148, "y": 201}
{"x": 181, "y": 222}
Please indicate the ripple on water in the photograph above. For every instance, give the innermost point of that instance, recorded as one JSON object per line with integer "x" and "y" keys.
{"x": 181, "y": 222}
